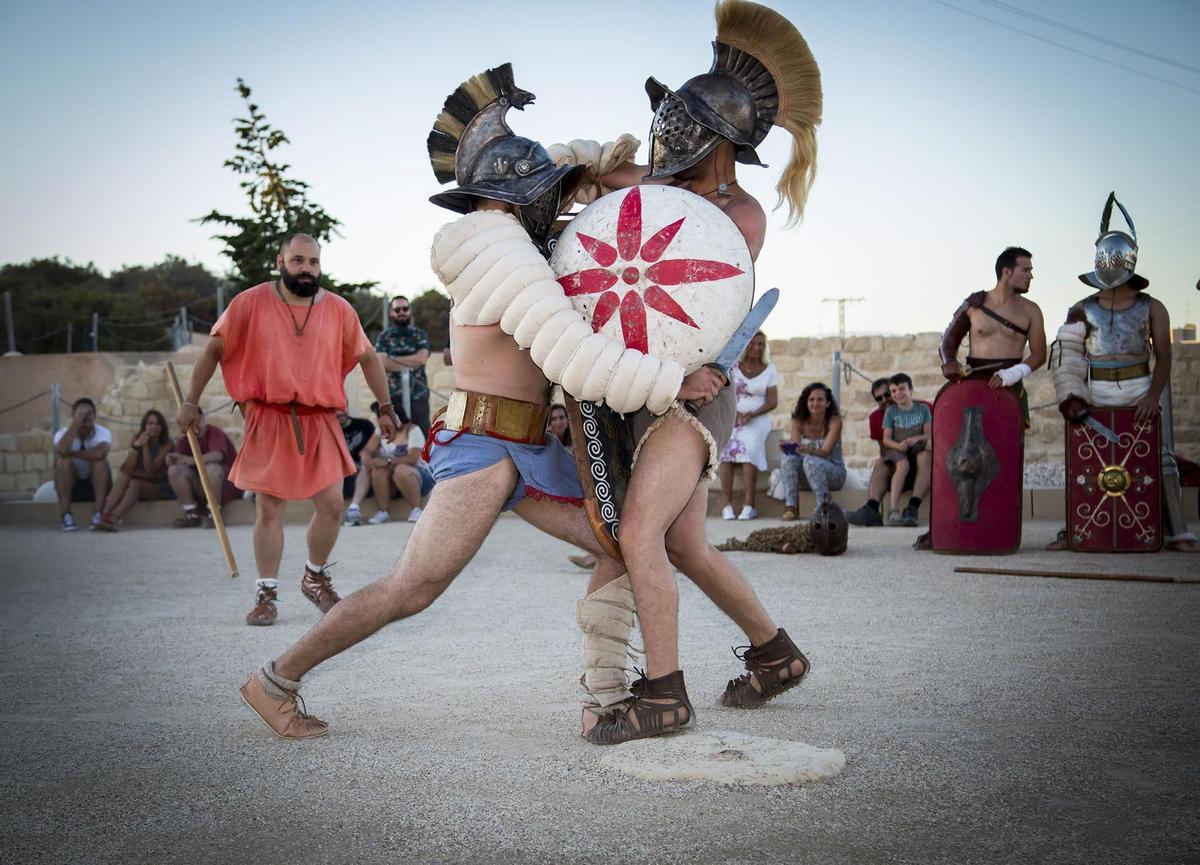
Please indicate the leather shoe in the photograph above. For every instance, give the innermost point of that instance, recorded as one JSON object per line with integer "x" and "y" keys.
{"x": 264, "y": 612}
{"x": 286, "y": 719}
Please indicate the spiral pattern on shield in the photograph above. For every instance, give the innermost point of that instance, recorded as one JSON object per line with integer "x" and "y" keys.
{"x": 591, "y": 429}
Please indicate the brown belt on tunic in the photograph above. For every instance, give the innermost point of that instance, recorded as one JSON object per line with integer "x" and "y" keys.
{"x": 294, "y": 409}
{"x": 1138, "y": 370}
{"x": 496, "y": 416}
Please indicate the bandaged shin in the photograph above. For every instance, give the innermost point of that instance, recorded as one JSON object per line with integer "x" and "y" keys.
{"x": 495, "y": 275}
{"x": 607, "y": 618}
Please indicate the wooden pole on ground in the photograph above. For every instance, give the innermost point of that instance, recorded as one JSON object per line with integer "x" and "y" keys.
{"x": 1076, "y": 575}
{"x": 214, "y": 503}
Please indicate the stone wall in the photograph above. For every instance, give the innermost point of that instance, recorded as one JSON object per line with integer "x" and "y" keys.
{"x": 126, "y": 385}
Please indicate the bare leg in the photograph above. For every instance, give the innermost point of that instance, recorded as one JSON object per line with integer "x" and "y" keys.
{"x": 727, "y": 587}
{"x": 879, "y": 480}
{"x": 118, "y": 493}
{"x": 381, "y": 484}
{"x": 924, "y": 473}
{"x": 408, "y": 483}
{"x": 64, "y": 479}
{"x": 101, "y": 481}
{"x": 362, "y": 483}
{"x": 725, "y": 473}
{"x": 568, "y": 523}
{"x": 136, "y": 491}
{"x": 325, "y": 523}
{"x": 655, "y": 498}
{"x": 898, "y": 476}
{"x": 749, "y": 483}
{"x": 460, "y": 513}
{"x": 268, "y": 534}
{"x": 180, "y": 479}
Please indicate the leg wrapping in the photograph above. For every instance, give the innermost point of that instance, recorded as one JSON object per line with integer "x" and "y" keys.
{"x": 607, "y": 617}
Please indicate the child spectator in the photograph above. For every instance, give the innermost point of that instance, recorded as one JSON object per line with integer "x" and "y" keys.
{"x": 907, "y": 430}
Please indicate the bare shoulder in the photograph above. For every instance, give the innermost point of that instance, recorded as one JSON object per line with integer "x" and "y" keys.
{"x": 750, "y": 218}
{"x": 1030, "y": 307}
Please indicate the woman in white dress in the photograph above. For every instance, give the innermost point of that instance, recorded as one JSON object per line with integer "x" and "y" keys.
{"x": 757, "y": 384}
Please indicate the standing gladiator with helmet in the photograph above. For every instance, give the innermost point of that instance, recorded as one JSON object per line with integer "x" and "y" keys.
{"x": 763, "y": 74}
{"x": 1103, "y": 359}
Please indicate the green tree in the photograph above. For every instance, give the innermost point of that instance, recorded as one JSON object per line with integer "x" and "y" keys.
{"x": 279, "y": 204}
{"x": 431, "y": 313}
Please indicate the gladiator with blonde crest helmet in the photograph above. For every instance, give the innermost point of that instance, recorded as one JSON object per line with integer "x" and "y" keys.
{"x": 763, "y": 74}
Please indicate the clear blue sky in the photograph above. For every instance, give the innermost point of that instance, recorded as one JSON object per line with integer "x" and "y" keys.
{"x": 946, "y": 138}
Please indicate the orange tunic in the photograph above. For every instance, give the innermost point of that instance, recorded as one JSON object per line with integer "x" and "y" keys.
{"x": 265, "y": 361}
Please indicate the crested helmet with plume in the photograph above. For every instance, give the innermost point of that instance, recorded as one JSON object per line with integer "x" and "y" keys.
{"x": 763, "y": 74}
{"x": 472, "y": 144}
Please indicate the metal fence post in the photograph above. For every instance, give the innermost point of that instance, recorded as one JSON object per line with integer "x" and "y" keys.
{"x": 406, "y": 392}
{"x": 220, "y": 298}
{"x": 55, "y": 402}
{"x": 95, "y": 331}
{"x": 70, "y": 335}
{"x": 185, "y": 329}
{"x": 837, "y": 377}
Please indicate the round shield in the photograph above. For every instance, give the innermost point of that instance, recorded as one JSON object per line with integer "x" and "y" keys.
{"x": 658, "y": 269}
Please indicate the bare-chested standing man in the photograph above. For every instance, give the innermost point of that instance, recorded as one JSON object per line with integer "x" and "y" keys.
{"x": 1001, "y": 323}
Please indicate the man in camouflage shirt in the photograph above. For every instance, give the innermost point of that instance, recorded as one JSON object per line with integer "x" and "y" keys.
{"x": 404, "y": 346}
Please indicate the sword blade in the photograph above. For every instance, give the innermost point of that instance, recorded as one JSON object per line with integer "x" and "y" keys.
{"x": 745, "y": 332}
{"x": 1102, "y": 429}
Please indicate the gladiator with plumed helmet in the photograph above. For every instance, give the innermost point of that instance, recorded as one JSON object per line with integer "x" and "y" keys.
{"x": 1102, "y": 358}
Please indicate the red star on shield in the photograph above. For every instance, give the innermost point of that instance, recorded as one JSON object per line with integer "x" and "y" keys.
{"x": 629, "y": 248}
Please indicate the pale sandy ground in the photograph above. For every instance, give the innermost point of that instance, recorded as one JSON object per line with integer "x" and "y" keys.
{"x": 984, "y": 719}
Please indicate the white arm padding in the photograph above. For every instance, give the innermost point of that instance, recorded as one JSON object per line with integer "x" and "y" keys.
{"x": 1070, "y": 367}
{"x": 494, "y": 273}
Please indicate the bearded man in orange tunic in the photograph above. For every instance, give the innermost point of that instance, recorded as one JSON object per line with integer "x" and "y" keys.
{"x": 285, "y": 348}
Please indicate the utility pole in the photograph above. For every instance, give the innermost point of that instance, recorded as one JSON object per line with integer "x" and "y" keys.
{"x": 841, "y": 302}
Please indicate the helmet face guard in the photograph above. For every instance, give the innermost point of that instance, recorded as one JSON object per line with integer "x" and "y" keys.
{"x": 1116, "y": 259}
{"x": 677, "y": 141}
{"x": 830, "y": 528}
{"x": 538, "y": 216}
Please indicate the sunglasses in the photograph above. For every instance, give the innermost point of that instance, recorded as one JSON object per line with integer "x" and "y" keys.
{"x": 881, "y": 397}
{"x": 399, "y": 309}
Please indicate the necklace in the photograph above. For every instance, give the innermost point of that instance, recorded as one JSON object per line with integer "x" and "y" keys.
{"x": 299, "y": 327}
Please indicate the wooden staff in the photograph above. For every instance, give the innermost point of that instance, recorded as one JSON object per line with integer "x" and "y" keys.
{"x": 1075, "y": 575}
{"x": 214, "y": 503}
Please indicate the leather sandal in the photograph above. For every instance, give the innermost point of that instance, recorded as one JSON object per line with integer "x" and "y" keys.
{"x": 660, "y": 706}
{"x": 317, "y": 586}
{"x": 771, "y": 664}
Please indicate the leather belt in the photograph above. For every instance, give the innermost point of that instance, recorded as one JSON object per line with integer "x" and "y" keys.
{"x": 294, "y": 409}
{"x": 1124, "y": 373}
{"x": 496, "y": 416}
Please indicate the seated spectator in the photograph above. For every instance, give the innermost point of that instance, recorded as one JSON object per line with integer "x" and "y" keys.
{"x": 397, "y": 465}
{"x": 907, "y": 431}
{"x": 881, "y": 473}
{"x": 143, "y": 475}
{"x": 217, "y": 453}
{"x": 81, "y": 472}
{"x": 360, "y": 435}
{"x": 558, "y": 425}
{"x": 812, "y": 458}
{"x": 756, "y": 382}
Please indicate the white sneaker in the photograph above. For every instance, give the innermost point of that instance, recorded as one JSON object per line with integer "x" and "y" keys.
{"x": 353, "y": 517}
{"x": 414, "y": 515}
{"x": 378, "y": 518}
{"x": 748, "y": 513}
{"x": 728, "y": 514}
{"x": 95, "y": 521}
{"x": 68, "y": 523}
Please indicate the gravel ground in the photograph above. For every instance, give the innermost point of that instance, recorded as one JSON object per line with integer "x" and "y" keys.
{"x": 984, "y": 718}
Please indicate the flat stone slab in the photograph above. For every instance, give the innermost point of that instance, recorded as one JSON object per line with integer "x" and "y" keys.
{"x": 725, "y": 757}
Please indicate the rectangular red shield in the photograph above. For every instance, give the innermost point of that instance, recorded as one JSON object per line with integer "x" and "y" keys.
{"x": 1114, "y": 489}
{"x": 978, "y": 469}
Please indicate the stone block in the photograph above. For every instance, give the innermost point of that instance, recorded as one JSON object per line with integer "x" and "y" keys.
{"x": 14, "y": 463}
{"x": 38, "y": 462}
{"x": 8, "y": 442}
{"x": 8, "y": 483}
{"x": 34, "y": 442}
{"x": 27, "y": 481}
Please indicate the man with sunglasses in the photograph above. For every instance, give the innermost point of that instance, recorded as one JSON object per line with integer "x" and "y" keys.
{"x": 881, "y": 473}
{"x": 404, "y": 346}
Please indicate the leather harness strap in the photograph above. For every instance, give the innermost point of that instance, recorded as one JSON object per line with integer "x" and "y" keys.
{"x": 991, "y": 313}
